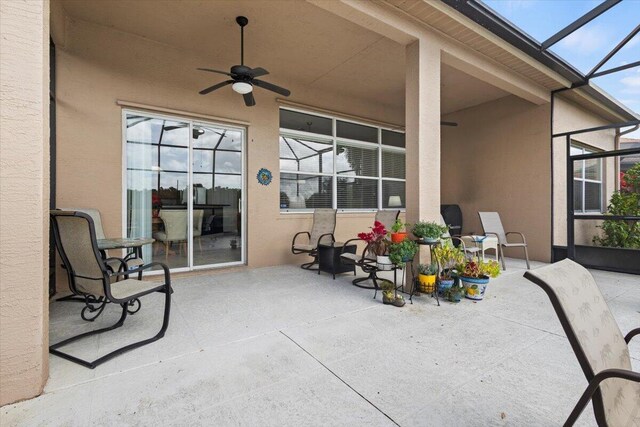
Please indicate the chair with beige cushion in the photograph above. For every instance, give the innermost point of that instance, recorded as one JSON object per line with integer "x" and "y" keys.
{"x": 91, "y": 278}
{"x": 324, "y": 225}
{"x": 198, "y": 215}
{"x": 492, "y": 225}
{"x": 387, "y": 217}
{"x": 594, "y": 335}
{"x": 130, "y": 259}
{"x": 175, "y": 228}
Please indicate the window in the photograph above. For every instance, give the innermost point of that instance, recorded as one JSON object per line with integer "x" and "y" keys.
{"x": 331, "y": 163}
{"x": 587, "y": 182}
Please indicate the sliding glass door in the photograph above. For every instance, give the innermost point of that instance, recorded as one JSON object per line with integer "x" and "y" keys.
{"x": 184, "y": 185}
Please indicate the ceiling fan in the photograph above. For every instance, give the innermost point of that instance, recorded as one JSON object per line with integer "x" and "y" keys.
{"x": 243, "y": 78}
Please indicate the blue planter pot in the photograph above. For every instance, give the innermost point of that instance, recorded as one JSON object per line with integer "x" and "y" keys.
{"x": 443, "y": 285}
{"x": 475, "y": 287}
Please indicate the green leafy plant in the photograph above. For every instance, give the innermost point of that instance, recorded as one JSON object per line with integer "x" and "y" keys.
{"x": 620, "y": 233}
{"x": 400, "y": 252}
{"x": 428, "y": 229}
{"x": 454, "y": 293}
{"x": 399, "y": 226}
{"x": 447, "y": 257}
{"x": 478, "y": 268}
{"x": 428, "y": 269}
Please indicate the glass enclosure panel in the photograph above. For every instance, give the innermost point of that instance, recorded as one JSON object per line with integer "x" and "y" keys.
{"x": 393, "y": 194}
{"x": 357, "y": 193}
{"x": 306, "y": 155}
{"x": 157, "y": 182}
{"x": 356, "y": 161}
{"x": 305, "y": 122}
{"x": 355, "y": 131}
{"x": 305, "y": 191}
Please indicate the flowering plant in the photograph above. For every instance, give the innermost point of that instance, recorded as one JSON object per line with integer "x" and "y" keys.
{"x": 376, "y": 238}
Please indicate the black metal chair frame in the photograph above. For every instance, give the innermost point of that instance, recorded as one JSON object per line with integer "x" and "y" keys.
{"x": 592, "y": 392}
{"x": 125, "y": 303}
{"x": 313, "y": 252}
{"x": 368, "y": 265}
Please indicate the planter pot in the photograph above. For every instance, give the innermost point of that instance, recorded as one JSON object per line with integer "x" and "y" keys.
{"x": 383, "y": 262}
{"x": 388, "y": 297}
{"x": 430, "y": 239}
{"x": 427, "y": 283}
{"x": 444, "y": 284}
{"x": 398, "y": 237}
{"x": 475, "y": 287}
{"x": 457, "y": 297}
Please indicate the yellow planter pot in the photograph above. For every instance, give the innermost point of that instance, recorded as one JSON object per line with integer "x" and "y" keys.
{"x": 427, "y": 283}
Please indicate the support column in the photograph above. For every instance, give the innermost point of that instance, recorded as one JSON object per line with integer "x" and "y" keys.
{"x": 422, "y": 123}
{"x": 24, "y": 198}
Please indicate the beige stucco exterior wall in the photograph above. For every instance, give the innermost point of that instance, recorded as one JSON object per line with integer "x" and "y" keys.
{"x": 568, "y": 117}
{"x": 497, "y": 159}
{"x": 96, "y": 66}
{"x": 24, "y": 198}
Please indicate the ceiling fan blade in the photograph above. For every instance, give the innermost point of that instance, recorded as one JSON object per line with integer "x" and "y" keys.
{"x": 273, "y": 88}
{"x": 249, "y": 100}
{"x": 214, "y": 71}
{"x": 214, "y": 87}
{"x": 174, "y": 127}
{"x": 257, "y": 72}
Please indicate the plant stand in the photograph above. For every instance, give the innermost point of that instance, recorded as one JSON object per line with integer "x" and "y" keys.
{"x": 414, "y": 275}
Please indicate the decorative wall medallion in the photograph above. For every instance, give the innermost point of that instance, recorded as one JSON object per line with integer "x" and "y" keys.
{"x": 264, "y": 176}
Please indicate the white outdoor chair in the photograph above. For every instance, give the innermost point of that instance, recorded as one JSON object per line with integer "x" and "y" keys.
{"x": 597, "y": 342}
{"x": 492, "y": 225}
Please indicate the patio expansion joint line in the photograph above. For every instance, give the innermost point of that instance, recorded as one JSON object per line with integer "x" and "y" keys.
{"x": 340, "y": 379}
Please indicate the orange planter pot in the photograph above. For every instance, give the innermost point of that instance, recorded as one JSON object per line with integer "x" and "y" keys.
{"x": 398, "y": 237}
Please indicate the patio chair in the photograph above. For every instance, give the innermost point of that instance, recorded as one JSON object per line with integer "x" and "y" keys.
{"x": 175, "y": 228}
{"x": 492, "y": 225}
{"x": 597, "y": 342}
{"x": 88, "y": 274}
{"x": 367, "y": 262}
{"x": 324, "y": 225}
{"x": 113, "y": 263}
{"x": 198, "y": 216}
{"x": 387, "y": 217}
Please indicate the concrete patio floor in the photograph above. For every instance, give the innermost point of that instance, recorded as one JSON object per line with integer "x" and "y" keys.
{"x": 282, "y": 346}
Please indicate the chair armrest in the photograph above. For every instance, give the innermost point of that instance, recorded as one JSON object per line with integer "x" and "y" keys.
{"x": 631, "y": 334}
{"x": 355, "y": 240}
{"x": 593, "y": 386}
{"x": 123, "y": 263}
{"x": 145, "y": 267}
{"x": 518, "y": 233}
{"x": 333, "y": 240}
{"x": 293, "y": 242}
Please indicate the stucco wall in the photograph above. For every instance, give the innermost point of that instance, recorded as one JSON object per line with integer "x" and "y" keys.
{"x": 96, "y": 66}
{"x": 24, "y": 198}
{"x": 569, "y": 117}
{"x": 497, "y": 159}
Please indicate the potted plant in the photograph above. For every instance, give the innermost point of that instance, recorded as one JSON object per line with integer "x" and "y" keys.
{"x": 427, "y": 277}
{"x": 389, "y": 294}
{"x": 447, "y": 257}
{"x": 398, "y": 231}
{"x": 400, "y": 253}
{"x": 428, "y": 231}
{"x": 475, "y": 274}
{"x": 454, "y": 293}
{"x": 378, "y": 245}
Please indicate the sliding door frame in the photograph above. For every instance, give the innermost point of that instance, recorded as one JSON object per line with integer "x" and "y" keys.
{"x": 192, "y": 121}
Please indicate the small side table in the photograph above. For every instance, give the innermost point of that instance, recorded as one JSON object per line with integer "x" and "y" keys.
{"x": 329, "y": 258}
{"x": 475, "y": 244}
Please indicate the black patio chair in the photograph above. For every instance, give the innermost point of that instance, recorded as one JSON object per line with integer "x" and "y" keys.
{"x": 90, "y": 276}
{"x": 597, "y": 342}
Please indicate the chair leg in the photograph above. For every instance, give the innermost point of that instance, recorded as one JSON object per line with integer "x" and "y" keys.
{"x": 504, "y": 266}
{"x": 526, "y": 257}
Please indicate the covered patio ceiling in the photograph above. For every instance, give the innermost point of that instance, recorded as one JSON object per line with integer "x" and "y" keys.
{"x": 296, "y": 41}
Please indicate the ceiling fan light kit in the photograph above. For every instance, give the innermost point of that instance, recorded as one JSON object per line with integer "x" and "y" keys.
{"x": 243, "y": 78}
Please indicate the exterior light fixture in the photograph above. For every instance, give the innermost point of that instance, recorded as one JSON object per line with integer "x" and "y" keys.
{"x": 242, "y": 87}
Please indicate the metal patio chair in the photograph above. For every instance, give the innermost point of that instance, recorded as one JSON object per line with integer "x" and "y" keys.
{"x": 597, "y": 342}
{"x": 324, "y": 225}
{"x": 387, "y": 217}
{"x": 367, "y": 262}
{"x": 90, "y": 277}
{"x": 492, "y": 225}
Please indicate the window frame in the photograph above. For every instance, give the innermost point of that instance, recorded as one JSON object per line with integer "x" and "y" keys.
{"x": 378, "y": 146}
{"x": 586, "y": 149}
